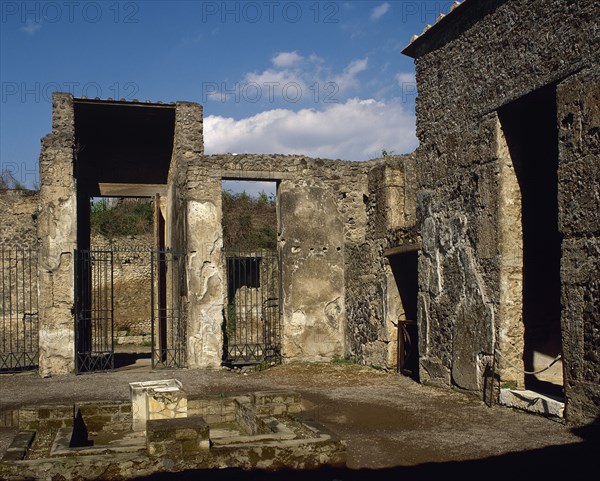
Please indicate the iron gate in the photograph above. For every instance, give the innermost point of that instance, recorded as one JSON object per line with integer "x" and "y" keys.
{"x": 101, "y": 292}
{"x": 169, "y": 328}
{"x": 19, "y": 325}
{"x": 252, "y": 314}
{"x": 94, "y": 333}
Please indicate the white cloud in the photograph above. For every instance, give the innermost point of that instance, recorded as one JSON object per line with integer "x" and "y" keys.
{"x": 348, "y": 79}
{"x": 380, "y": 11}
{"x": 306, "y": 78}
{"x": 354, "y": 130}
{"x": 31, "y": 26}
{"x": 276, "y": 78}
{"x": 404, "y": 78}
{"x": 286, "y": 59}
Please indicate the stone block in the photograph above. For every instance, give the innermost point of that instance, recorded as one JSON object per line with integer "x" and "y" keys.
{"x": 164, "y": 399}
{"x": 274, "y": 397}
{"x": 532, "y": 402}
{"x": 181, "y": 436}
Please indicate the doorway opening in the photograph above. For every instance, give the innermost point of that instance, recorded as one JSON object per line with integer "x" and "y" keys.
{"x": 126, "y": 283}
{"x": 129, "y": 281}
{"x": 252, "y": 320}
{"x": 404, "y": 266}
{"x": 530, "y": 130}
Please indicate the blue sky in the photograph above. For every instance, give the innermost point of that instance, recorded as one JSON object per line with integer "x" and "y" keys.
{"x": 324, "y": 79}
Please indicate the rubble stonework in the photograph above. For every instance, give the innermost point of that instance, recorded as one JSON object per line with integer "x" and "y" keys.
{"x": 480, "y": 58}
{"x": 18, "y": 217}
{"x": 57, "y": 231}
{"x": 101, "y": 440}
{"x": 457, "y": 207}
{"x": 319, "y": 204}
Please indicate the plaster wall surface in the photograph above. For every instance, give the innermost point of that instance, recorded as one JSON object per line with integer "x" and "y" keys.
{"x": 320, "y": 211}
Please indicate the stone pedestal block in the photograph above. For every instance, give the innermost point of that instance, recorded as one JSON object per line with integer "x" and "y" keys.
{"x": 164, "y": 399}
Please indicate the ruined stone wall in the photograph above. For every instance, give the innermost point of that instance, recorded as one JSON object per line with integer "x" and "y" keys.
{"x": 18, "y": 217}
{"x": 57, "y": 231}
{"x": 191, "y": 220}
{"x": 320, "y": 212}
{"x": 131, "y": 281}
{"x": 335, "y": 219}
{"x": 18, "y": 270}
{"x": 372, "y": 298}
{"x": 579, "y": 222}
{"x": 481, "y": 57}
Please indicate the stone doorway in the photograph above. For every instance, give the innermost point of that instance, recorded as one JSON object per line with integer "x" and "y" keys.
{"x": 531, "y": 241}
{"x": 252, "y": 306}
{"x": 404, "y": 267}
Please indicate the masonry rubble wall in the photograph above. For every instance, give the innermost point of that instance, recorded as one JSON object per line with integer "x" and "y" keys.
{"x": 18, "y": 217}
{"x": 478, "y": 59}
{"x": 57, "y": 233}
{"x": 373, "y": 301}
{"x": 19, "y": 276}
{"x": 320, "y": 210}
{"x": 131, "y": 281}
{"x": 335, "y": 218}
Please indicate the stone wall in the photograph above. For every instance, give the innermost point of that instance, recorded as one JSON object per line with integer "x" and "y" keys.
{"x": 478, "y": 59}
{"x": 320, "y": 211}
{"x": 18, "y": 217}
{"x": 57, "y": 223}
{"x": 373, "y": 302}
{"x": 335, "y": 218}
{"x": 579, "y": 221}
{"x": 19, "y": 273}
{"x": 131, "y": 279}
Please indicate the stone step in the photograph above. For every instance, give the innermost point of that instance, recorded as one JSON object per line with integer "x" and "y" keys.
{"x": 533, "y": 402}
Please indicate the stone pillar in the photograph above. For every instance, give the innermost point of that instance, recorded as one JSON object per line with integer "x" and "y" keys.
{"x": 578, "y": 98}
{"x": 205, "y": 274}
{"x": 312, "y": 248}
{"x": 57, "y": 232}
{"x": 203, "y": 233}
{"x": 511, "y": 329}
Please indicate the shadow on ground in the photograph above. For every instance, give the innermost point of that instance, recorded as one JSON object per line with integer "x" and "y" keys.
{"x": 573, "y": 461}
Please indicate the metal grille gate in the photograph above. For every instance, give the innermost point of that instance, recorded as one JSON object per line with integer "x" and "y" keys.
{"x": 252, "y": 314}
{"x": 169, "y": 329}
{"x": 160, "y": 281}
{"x": 19, "y": 325}
{"x": 94, "y": 333}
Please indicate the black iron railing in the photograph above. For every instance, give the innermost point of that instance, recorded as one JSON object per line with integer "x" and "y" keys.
{"x": 252, "y": 308}
{"x": 111, "y": 286}
{"x": 19, "y": 323}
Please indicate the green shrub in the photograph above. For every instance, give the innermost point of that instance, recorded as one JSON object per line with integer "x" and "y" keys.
{"x": 249, "y": 223}
{"x": 123, "y": 219}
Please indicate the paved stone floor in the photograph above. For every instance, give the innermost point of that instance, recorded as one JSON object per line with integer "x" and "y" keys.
{"x": 394, "y": 427}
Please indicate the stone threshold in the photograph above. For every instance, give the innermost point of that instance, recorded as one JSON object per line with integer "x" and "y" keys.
{"x": 533, "y": 402}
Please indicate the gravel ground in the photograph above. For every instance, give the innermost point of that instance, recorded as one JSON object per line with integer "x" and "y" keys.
{"x": 392, "y": 425}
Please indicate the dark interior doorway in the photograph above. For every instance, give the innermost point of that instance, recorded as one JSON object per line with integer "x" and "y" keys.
{"x": 531, "y": 132}
{"x": 252, "y": 314}
{"x": 123, "y": 150}
{"x": 405, "y": 269}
